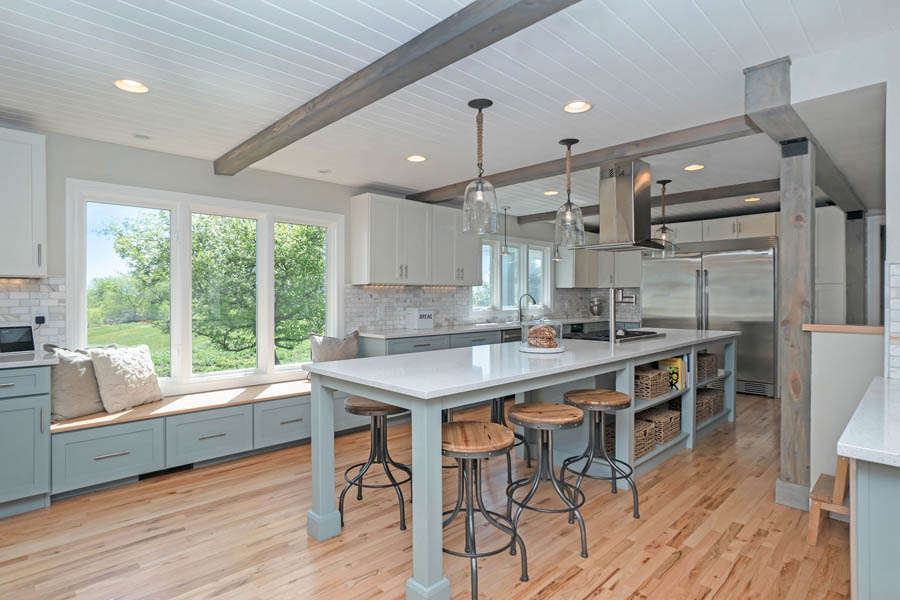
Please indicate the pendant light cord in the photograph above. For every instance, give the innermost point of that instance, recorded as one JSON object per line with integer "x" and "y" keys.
{"x": 663, "y": 203}
{"x": 568, "y": 173}
{"x": 479, "y": 126}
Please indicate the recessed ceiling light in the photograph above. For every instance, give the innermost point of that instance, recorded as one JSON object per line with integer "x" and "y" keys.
{"x": 753, "y": 199}
{"x": 551, "y": 193}
{"x": 416, "y": 158}
{"x": 132, "y": 86}
{"x": 577, "y": 106}
{"x": 694, "y": 167}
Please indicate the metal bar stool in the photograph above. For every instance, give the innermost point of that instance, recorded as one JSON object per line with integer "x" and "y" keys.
{"x": 597, "y": 403}
{"x": 498, "y": 416}
{"x": 378, "y": 453}
{"x": 546, "y": 417}
{"x": 470, "y": 442}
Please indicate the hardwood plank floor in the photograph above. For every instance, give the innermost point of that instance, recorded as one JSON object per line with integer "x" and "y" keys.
{"x": 709, "y": 528}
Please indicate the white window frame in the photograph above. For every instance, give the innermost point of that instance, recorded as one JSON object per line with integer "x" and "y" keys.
{"x": 545, "y": 302}
{"x": 181, "y": 206}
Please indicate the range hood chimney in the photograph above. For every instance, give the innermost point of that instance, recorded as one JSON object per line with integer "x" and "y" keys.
{"x": 624, "y": 208}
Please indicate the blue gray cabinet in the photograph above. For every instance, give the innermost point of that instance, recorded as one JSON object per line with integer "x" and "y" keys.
{"x": 105, "y": 454}
{"x": 24, "y": 439}
{"x": 207, "y": 434}
{"x": 877, "y": 530}
{"x": 280, "y": 421}
{"x": 480, "y": 338}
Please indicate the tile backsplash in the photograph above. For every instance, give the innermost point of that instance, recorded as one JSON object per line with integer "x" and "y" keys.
{"x": 18, "y": 297}
{"x": 384, "y": 307}
{"x": 892, "y": 319}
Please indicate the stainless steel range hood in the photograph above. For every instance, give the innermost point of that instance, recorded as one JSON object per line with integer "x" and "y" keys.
{"x": 624, "y": 208}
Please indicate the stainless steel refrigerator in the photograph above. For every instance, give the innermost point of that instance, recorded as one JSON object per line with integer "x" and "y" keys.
{"x": 720, "y": 285}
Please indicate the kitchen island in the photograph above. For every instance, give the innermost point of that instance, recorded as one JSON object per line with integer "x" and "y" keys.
{"x": 429, "y": 382}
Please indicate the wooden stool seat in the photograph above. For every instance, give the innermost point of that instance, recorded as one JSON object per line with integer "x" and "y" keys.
{"x": 599, "y": 399}
{"x": 475, "y": 437}
{"x": 358, "y": 405}
{"x": 546, "y": 414}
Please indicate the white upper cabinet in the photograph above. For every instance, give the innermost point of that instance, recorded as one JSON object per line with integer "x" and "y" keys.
{"x": 627, "y": 268}
{"x": 578, "y": 269}
{"x": 730, "y": 228}
{"x": 690, "y": 231}
{"x": 455, "y": 256}
{"x": 606, "y": 261}
{"x": 23, "y": 204}
{"x": 397, "y": 241}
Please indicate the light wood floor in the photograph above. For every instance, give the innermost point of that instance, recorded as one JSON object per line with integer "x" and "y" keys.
{"x": 708, "y": 528}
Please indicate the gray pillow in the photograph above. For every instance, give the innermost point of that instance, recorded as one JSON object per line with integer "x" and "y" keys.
{"x": 324, "y": 349}
{"x": 125, "y": 377}
{"x": 73, "y": 386}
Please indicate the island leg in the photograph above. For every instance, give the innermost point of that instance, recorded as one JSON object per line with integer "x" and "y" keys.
{"x": 323, "y": 521}
{"x": 731, "y": 367}
{"x": 428, "y": 581}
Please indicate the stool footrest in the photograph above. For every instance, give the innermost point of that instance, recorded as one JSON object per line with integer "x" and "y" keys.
{"x": 521, "y": 483}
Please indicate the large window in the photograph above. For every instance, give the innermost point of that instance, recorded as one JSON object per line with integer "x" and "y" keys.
{"x": 216, "y": 288}
{"x": 505, "y": 277}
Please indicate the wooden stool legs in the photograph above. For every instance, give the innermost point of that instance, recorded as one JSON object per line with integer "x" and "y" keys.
{"x": 827, "y": 496}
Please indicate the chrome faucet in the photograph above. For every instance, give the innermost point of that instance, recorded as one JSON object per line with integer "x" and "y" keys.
{"x": 519, "y": 303}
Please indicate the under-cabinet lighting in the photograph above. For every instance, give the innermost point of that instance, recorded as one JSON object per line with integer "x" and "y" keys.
{"x": 753, "y": 199}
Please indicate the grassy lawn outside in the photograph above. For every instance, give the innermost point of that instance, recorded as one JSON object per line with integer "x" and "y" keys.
{"x": 207, "y": 358}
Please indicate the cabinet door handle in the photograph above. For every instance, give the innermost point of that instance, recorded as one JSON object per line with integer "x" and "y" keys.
{"x": 7, "y": 385}
{"x": 740, "y": 227}
{"x": 406, "y": 271}
{"x": 122, "y": 453}
{"x": 42, "y": 420}
{"x": 39, "y": 254}
{"x": 462, "y": 272}
{"x": 733, "y": 228}
{"x": 400, "y": 269}
{"x": 421, "y": 345}
{"x": 287, "y": 421}
{"x": 480, "y": 340}
{"x": 212, "y": 435}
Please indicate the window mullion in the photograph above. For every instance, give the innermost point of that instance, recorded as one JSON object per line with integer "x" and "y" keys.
{"x": 265, "y": 294}
{"x": 180, "y": 293}
{"x": 496, "y": 277}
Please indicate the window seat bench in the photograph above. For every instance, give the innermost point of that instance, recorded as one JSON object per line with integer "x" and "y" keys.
{"x": 103, "y": 449}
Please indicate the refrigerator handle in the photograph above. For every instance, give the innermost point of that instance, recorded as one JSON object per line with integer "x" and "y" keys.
{"x": 705, "y": 299}
{"x": 697, "y": 300}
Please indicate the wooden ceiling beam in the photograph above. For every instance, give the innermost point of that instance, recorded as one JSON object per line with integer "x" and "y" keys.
{"x": 465, "y": 32}
{"x": 716, "y": 193}
{"x": 691, "y": 137}
{"x": 767, "y": 102}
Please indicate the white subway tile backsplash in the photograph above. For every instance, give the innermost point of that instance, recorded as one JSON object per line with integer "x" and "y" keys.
{"x": 19, "y": 296}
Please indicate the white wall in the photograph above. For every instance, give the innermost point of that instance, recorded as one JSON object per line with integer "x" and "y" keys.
{"x": 867, "y": 62}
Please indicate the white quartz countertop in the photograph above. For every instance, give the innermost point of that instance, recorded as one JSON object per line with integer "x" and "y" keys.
{"x": 873, "y": 432}
{"x": 445, "y": 372}
{"x": 34, "y": 359}
{"x": 388, "y": 334}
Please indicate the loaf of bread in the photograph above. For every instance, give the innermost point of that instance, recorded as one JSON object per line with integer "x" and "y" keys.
{"x": 542, "y": 336}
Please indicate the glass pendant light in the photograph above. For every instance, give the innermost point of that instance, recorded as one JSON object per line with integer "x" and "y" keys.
{"x": 480, "y": 203}
{"x": 556, "y": 256}
{"x": 664, "y": 236}
{"x": 504, "y": 249}
{"x": 569, "y": 221}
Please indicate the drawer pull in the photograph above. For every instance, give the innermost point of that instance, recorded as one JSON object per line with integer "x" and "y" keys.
{"x": 122, "y": 453}
{"x": 480, "y": 340}
{"x": 212, "y": 435}
{"x": 421, "y": 345}
{"x": 7, "y": 385}
{"x": 297, "y": 420}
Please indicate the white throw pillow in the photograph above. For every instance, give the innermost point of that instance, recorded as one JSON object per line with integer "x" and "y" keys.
{"x": 125, "y": 377}
{"x": 325, "y": 349}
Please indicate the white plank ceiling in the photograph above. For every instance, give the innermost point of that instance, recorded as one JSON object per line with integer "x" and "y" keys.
{"x": 220, "y": 70}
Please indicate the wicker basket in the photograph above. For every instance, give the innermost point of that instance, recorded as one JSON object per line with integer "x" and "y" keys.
{"x": 609, "y": 439}
{"x": 717, "y": 398}
{"x": 644, "y": 438}
{"x": 650, "y": 383}
{"x": 707, "y": 366}
{"x": 704, "y": 406}
{"x": 666, "y": 423}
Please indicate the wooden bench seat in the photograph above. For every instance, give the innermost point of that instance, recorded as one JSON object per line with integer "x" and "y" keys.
{"x": 188, "y": 403}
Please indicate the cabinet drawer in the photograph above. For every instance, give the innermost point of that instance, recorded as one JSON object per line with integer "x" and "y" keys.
{"x": 464, "y": 340}
{"x": 24, "y": 382}
{"x": 280, "y": 421}
{"x": 199, "y": 436}
{"x": 418, "y": 344}
{"x": 103, "y": 454}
